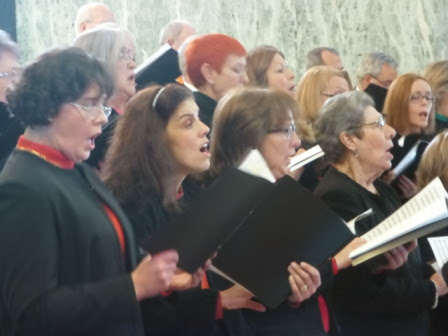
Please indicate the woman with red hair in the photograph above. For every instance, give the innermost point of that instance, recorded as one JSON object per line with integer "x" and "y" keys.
{"x": 409, "y": 109}
{"x": 215, "y": 63}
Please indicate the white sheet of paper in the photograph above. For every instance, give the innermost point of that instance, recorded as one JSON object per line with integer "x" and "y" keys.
{"x": 306, "y": 157}
{"x": 256, "y": 165}
{"x": 406, "y": 161}
{"x": 439, "y": 246}
{"x": 428, "y": 206}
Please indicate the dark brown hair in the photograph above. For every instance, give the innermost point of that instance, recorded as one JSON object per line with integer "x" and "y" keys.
{"x": 138, "y": 164}
{"x": 57, "y": 77}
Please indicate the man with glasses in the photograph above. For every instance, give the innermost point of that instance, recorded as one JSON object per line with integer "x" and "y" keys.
{"x": 10, "y": 127}
{"x": 375, "y": 74}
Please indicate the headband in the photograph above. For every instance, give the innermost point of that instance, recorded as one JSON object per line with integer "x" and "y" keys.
{"x": 154, "y": 102}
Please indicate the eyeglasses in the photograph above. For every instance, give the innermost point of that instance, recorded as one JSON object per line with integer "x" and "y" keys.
{"x": 286, "y": 131}
{"x": 126, "y": 56}
{"x": 417, "y": 98}
{"x": 385, "y": 84}
{"x": 12, "y": 74}
{"x": 380, "y": 123}
{"x": 92, "y": 110}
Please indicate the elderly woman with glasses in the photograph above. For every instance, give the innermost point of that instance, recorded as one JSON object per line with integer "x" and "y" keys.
{"x": 67, "y": 251}
{"x": 393, "y": 294}
{"x": 409, "y": 109}
{"x": 114, "y": 46}
{"x": 256, "y": 118}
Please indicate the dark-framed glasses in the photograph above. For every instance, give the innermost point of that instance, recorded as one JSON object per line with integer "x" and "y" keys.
{"x": 384, "y": 84}
{"x": 92, "y": 110}
{"x": 417, "y": 98}
{"x": 286, "y": 131}
{"x": 380, "y": 122}
{"x": 329, "y": 95}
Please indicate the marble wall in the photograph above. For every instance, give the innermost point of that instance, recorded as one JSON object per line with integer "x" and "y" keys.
{"x": 415, "y": 32}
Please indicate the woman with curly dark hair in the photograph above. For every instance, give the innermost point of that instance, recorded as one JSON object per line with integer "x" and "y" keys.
{"x": 67, "y": 258}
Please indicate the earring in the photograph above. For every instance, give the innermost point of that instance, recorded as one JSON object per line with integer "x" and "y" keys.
{"x": 355, "y": 152}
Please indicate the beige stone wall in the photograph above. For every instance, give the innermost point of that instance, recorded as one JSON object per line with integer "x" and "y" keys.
{"x": 415, "y": 32}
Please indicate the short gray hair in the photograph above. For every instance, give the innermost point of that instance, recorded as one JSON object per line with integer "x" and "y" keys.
{"x": 104, "y": 42}
{"x": 341, "y": 113}
{"x": 371, "y": 64}
{"x": 8, "y": 45}
{"x": 172, "y": 30}
{"x": 314, "y": 57}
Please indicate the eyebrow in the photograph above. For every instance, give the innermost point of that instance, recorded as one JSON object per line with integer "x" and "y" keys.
{"x": 421, "y": 92}
{"x": 188, "y": 115}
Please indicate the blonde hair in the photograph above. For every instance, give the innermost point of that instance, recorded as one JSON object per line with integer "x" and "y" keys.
{"x": 437, "y": 76}
{"x": 434, "y": 162}
{"x": 309, "y": 90}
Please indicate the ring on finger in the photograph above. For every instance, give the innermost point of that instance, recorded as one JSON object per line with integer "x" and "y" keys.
{"x": 303, "y": 288}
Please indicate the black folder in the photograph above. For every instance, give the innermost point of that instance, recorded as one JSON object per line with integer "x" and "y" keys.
{"x": 378, "y": 95}
{"x": 198, "y": 232}
{"x": 258, "y": 228}
{"x": 160, "y": 68}
{"x": 290, "y": 224}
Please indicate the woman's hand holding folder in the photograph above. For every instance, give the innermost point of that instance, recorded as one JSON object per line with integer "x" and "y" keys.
{"x": 238, "y": 297}
{"x": 304, "y": 280}
{"x": 182, "y": 280}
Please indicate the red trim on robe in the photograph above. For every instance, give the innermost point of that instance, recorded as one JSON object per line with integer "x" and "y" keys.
{"x": 45, "y": 152}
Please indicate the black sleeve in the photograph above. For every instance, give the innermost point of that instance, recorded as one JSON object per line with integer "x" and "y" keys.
{"x": 326, "y": 275}
{"x": 190, "y": 312}
{"x": 388, "y": 292}
{"x": 35, "y": 301}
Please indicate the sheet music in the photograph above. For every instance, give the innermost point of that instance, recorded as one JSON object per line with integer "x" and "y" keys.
{"x": 305, "y": 157}
{"x": 407, "y": 160}
{"x": 439, "y": 246}
{"x": 426, "y": 207}
{"x": 256, "y": 165}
